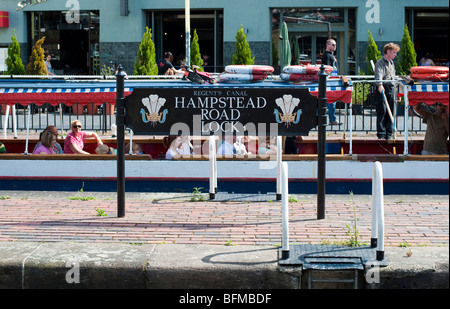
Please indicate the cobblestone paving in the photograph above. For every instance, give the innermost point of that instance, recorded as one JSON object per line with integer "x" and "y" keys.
{"x": 173, "y": 218}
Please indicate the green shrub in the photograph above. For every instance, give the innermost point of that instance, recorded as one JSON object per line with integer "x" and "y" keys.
{"x": 243, "y": 54}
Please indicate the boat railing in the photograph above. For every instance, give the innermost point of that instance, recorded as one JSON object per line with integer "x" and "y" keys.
{"x": 284, "y": 158}
{"x": 100, "y": 117}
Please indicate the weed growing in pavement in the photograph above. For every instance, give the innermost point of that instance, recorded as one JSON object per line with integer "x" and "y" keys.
{"x": 100, "y": 212}
{"x": 229, "y": 243}
{"x": 197, "y": 195}
{"x": 292, "y": 199}
{"x": 404, "y": 244}
{"x": 3, "y": 197}
{"x": 352, "y": 230}
{"x": 79, "y": 198}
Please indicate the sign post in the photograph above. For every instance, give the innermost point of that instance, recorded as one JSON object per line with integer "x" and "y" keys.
{"x": 321, "y": 159}
{"x": 120, "y": 104}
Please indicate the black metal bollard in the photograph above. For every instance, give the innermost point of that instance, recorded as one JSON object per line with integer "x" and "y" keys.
{"x": 321, "y": 143}
{"x": 120, "y": 105}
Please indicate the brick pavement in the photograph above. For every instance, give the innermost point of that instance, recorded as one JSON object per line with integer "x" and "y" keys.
{"x": 158, "y": 219}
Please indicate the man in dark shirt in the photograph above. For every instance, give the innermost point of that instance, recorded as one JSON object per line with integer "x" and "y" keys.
{"x": 165, "y": 66}
{"x": 329, "y": 59}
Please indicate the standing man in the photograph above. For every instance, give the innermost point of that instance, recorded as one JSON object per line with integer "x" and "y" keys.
{"x": 328, "y": 58}
{"x": 385, "y": 70}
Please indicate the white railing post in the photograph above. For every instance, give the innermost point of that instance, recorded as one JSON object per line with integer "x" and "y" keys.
{"x": 350, "y": 151}
{"x": 212, "y": 168}
{"x": 215, "y": 164}
{"x": 279, "y": 161}
{"x": 377, "y": 240}
{"x": 406, "y": 119}
{"x": 5, "y": 121}
{"x": 285, "y": 211}
{"x": 131, "y": 143}
{"x": 14, "y": 120}
{"x": 28, "y": 129}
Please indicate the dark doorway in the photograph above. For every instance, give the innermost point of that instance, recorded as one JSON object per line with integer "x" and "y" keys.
{"x": 429, "y": 30}
{"x": 168, "y": 29}
{"x": 74, "y": 51}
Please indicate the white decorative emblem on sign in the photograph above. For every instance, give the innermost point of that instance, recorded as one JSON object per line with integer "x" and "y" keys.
{"x": 153, "y": 104}
{"x": 287, "y": 104}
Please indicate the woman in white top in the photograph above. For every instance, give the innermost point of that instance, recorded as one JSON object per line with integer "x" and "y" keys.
{"x": 175, "y": 149}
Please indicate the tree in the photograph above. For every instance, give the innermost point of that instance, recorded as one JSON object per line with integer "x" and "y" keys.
{"x": 145, "y": 63}
{"x": 243, "y": 54}
{"x": 36, "y": 65}
{"x": 196, "y": 56}
{"x": 408, "y": 55}
{"x": 372, "y": 53}
{"x": 14, "y": 62}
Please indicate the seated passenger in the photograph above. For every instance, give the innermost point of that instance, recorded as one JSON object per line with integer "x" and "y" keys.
{"x": 74, "y": 142}
{"x": 186, "y": 145}
{"x": 435, "y": 142}
{"x": 104, "y": 149}
{"x": 226, "y": 146}
{"x": 57, "y": 149}
{"x": 48, "y": 142}
{"x": 239, "y": 146}
{"x": 267, "y": 145}
{"x": 175, "y": 147}
{"x": 137, "y": 149}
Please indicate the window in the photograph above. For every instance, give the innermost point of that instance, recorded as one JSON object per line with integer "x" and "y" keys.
{"x": 74, "y": 47}
{"x": 309, "y": 29}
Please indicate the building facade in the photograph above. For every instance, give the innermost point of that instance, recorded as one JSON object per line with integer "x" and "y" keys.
{"x": 84, "y": 36}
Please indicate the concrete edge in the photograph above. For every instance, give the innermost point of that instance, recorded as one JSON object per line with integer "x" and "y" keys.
{"x": 68, "y": 265}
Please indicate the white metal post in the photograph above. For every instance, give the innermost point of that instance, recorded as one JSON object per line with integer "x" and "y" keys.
{"x": 14, "y": 119}
{"x": 375, "y": 202}
{"x": 406, "y": 119}
{"x": 212, "y": 168}
{"x": 131, "y": 142}
{"x": 279, "y": 161}
{"x": 285, "y": 210}
{"x": 350, "y": 151}
{"x": 378, "y": 210}
{"x": 5, "y": 121}
{"x": 28, "y": 129}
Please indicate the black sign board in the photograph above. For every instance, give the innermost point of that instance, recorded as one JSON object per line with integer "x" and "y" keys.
{"x": 221, "y": 111}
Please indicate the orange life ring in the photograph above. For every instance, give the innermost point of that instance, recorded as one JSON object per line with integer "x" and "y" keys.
{"x": 429, "y": 69}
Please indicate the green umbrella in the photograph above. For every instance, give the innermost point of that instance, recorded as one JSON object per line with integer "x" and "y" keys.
{"x": 285, "y": 49}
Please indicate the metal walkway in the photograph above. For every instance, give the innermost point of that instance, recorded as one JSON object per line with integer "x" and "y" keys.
{"x": 320, "y": 258}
